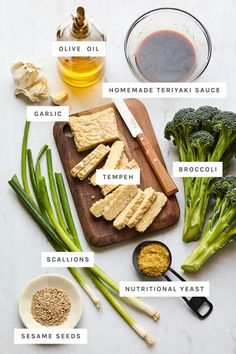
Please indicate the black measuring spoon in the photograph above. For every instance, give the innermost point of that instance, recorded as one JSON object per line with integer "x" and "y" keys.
{"x": 195, "y": 303}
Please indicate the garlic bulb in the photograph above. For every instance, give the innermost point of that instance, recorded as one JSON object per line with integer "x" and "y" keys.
{"x": 25, "y": 76}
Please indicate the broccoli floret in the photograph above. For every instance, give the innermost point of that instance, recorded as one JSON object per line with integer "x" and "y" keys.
{"x": 224, "y": 121}
{"x": 205, "y": 134}
{"x": 179, "y": 129}
{"x": 220, "y": 188}
{"x": 202, "y": 137}
{"x": 221, "y": 227}
{"x": 170, "y": 131}
{"x": 231, "y": 198}
{"x": 186, "y": 121}
{"x": 205, "y": 115}
{"x": 206, "y": 112}
{"x": 223, "y": 185}
{"x": 224, "y": 124}
{"x": 181, "y": 113}
{"x": 202, "y": 143}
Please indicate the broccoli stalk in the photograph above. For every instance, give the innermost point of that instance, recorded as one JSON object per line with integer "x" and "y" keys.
{"x": 221, "y": 227}
{"x": 202, "y": 135}
{"x": 201, "y": 144}
{"x": 194, "y": 215}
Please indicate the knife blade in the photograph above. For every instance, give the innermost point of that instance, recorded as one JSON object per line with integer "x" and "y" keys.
{"x": 127, "y": 117}
{"x": 159, "y": 169}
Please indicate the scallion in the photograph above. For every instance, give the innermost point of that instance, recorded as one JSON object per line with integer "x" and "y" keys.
{"x": 61, "y": 231}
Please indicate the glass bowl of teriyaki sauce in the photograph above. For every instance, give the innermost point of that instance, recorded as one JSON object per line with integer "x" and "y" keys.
{"x": 167, "y": 45}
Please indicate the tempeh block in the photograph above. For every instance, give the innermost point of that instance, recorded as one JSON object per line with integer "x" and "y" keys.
{"x": 93, "y": 129}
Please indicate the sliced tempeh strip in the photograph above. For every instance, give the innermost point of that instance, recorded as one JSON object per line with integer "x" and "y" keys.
{"x": 92, "y": 179}
{"x": 106, "y": 189}
{"x": 115, "y": 155}
{"x": 98, "y": 207}
{"x": 90, "y": 162}
{"x": 149, "y": 197}
{"x": 152, "y": 212}
{"x": 123, "y": 161}
{"x": 122, "y": 219}
{"x": 118, "y": 203}
{"x": 113, "y": 159}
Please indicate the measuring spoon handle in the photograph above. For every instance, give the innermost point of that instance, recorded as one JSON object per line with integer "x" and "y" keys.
{"x": 195, "y": 303}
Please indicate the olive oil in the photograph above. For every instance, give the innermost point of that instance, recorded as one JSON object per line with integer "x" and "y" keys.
{"x": 80, "y": 71}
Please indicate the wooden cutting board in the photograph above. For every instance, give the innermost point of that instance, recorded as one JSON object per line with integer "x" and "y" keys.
{"x": 99, "y": 232}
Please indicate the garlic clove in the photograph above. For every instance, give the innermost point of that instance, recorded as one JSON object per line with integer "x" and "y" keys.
{"x": 59, "y": 98}
{"x": 40, "y": 87}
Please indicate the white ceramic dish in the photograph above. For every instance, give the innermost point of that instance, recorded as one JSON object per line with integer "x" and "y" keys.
{"x": 50, "y": 281}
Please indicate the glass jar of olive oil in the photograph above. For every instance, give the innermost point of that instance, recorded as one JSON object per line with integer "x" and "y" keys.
{"x": 75, "y": 70}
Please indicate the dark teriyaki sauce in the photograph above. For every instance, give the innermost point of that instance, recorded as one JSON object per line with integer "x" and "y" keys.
{"x": 166, "y": 56}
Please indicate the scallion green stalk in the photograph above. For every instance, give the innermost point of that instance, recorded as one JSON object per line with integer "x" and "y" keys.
{"x": 31, "y": 172}
{"x": 33, "y": 179}
{"x": 37, "y": 165}
{"x": 24, "y": 160}
{"x": 53, "y": 190}
{"x": 66, "y": 208}
{"x": 34, "y": 211}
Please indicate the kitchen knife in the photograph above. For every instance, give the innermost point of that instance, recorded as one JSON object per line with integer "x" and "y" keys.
{"x": 164, "y": 178}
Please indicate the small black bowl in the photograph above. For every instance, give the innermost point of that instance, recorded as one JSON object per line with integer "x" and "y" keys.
{"x": 136, "y": 252}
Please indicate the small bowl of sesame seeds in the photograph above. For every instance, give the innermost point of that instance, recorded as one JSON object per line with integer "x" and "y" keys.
{"x": 50, "y": 300}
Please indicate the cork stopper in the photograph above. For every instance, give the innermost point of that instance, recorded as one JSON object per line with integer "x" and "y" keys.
{"x": 80, "y": 26}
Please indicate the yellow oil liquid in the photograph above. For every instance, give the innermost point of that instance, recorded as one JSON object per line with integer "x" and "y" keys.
{"x": 81, "y": 71}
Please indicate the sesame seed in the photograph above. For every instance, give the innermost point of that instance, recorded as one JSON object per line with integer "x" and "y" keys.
{"x": 50, "y": 306}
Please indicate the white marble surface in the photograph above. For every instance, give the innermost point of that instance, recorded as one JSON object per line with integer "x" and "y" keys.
{"x": 26, "y": 31}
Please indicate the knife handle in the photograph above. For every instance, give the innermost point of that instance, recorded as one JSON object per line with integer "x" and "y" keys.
{"x": 164, "y": 178}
